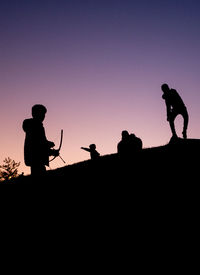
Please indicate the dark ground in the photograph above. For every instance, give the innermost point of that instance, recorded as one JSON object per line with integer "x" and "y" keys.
{"x": 144, "y": 210}
{"x": 173, "y": 165}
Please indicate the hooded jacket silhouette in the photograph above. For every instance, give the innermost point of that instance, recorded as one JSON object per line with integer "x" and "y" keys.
{"x": 36, "y": 146}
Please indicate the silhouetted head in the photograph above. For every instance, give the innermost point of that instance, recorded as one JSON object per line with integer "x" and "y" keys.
{"x": 38, "y": 112}
{"x": 165, "y": 88}
{"x": 92, "y": 146}
{"x": 125, "y": 134}
{"x": 132, "y": 136}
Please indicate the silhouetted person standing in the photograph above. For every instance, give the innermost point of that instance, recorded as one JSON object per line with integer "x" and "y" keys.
{"x": 37, "y": 147}
{"x": 93, "y": 152}
{"x": 175, "y": 106}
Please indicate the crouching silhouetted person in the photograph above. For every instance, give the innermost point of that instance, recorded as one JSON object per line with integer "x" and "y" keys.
{"x": 123, "y": 146}
{"x": 135, "y": 144}
{"x": 37, "y": 148}
{"x": 93, "y": 152}
{"x": 128, "y": 146}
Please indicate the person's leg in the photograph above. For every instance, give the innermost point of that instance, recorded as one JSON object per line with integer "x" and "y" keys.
{"x": 171, "y": 123}
{"x": 38, "y": 170}
{"x": 185, "y": 123}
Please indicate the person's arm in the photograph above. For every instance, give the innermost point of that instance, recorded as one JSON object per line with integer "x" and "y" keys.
{"x": 168, "y": 107}
{"x": 86, "y": 149}
{"x": 50, "y": 144}
{"x": 53, "y": 152}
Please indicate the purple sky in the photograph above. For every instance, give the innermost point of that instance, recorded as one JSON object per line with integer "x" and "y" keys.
{"x": 97, "y": 66}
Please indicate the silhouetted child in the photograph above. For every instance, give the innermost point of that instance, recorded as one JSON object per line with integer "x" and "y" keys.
{"x": 37, "y": 147}
{"x": 175, "y": 106}
{"x": 93, "y": 152}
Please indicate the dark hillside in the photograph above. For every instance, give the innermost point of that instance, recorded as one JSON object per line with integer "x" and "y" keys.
{"x": 172, "y": 163}
{"x": 151, "y": 200}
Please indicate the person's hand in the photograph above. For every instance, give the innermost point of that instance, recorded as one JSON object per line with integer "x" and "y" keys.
{"x": 55, "y": 153}
{"x": 51, "y": 144}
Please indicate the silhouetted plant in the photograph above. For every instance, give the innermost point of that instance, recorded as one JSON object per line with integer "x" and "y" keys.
{"x": 9, "y": 169}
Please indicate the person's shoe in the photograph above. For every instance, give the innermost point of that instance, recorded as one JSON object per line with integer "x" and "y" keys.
{"x": 173, "y": 139}
{"x": 184, "y": 134}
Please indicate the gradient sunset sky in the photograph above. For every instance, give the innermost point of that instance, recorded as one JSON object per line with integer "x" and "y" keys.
{"x": 97, "y": 65}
